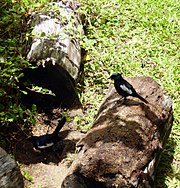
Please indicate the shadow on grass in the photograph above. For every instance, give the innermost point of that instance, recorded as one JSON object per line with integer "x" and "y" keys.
{"x": 164, "y": 169}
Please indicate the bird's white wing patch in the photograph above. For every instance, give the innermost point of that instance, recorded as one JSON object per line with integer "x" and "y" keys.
{"x": 46, "y": 146}
{"x": 124, "y": 88}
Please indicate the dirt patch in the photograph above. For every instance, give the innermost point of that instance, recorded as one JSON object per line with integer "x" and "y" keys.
{"x": 46, "y": 175}
{"x": 49, "y": 167}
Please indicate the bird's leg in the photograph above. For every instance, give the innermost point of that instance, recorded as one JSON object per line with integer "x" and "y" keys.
{"x": 44, "y": 156}
{"x": 120, "y": 101}
{"x": 57, "y": 151}
{"x": 58, "y": 156}
{"x": 124, "y": 101}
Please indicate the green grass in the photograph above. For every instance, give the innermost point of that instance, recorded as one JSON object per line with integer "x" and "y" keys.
{"x": 123, "y": 35}
{"x": 27, "y": 176}
{"x": 120, "y": 36}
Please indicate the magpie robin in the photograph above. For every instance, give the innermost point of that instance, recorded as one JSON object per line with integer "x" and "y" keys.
{"x": 48, "y": 140}
{"x": 124, "y": 88}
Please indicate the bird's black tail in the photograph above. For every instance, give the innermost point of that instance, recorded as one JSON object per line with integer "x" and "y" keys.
{"x": 61, "y": 122}
{"x": 141, "y": 98}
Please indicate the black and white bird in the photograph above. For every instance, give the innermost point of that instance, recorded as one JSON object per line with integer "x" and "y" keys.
{"x": 48, "y": 140}
{"x": 124, "y": 88}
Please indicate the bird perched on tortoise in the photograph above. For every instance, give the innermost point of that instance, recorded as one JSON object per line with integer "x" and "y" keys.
{"x": 124, "y": 88}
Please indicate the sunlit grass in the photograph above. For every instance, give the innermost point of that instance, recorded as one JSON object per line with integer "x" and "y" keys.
{"x": 136, "y": 38}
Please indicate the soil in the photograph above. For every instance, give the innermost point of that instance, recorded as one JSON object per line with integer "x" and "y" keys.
{"x": 48, "y": 168}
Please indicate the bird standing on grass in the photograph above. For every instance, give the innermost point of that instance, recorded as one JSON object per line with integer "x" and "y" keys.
{"x": 48, "y": 140}
{"x": 124, "y": 88}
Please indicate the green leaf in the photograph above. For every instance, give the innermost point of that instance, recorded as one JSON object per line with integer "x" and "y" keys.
{"x": 43, "y": 34}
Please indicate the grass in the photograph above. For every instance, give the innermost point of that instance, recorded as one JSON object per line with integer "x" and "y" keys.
{"x": 27, "y": 176}
{"x": 136, "y": 38}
